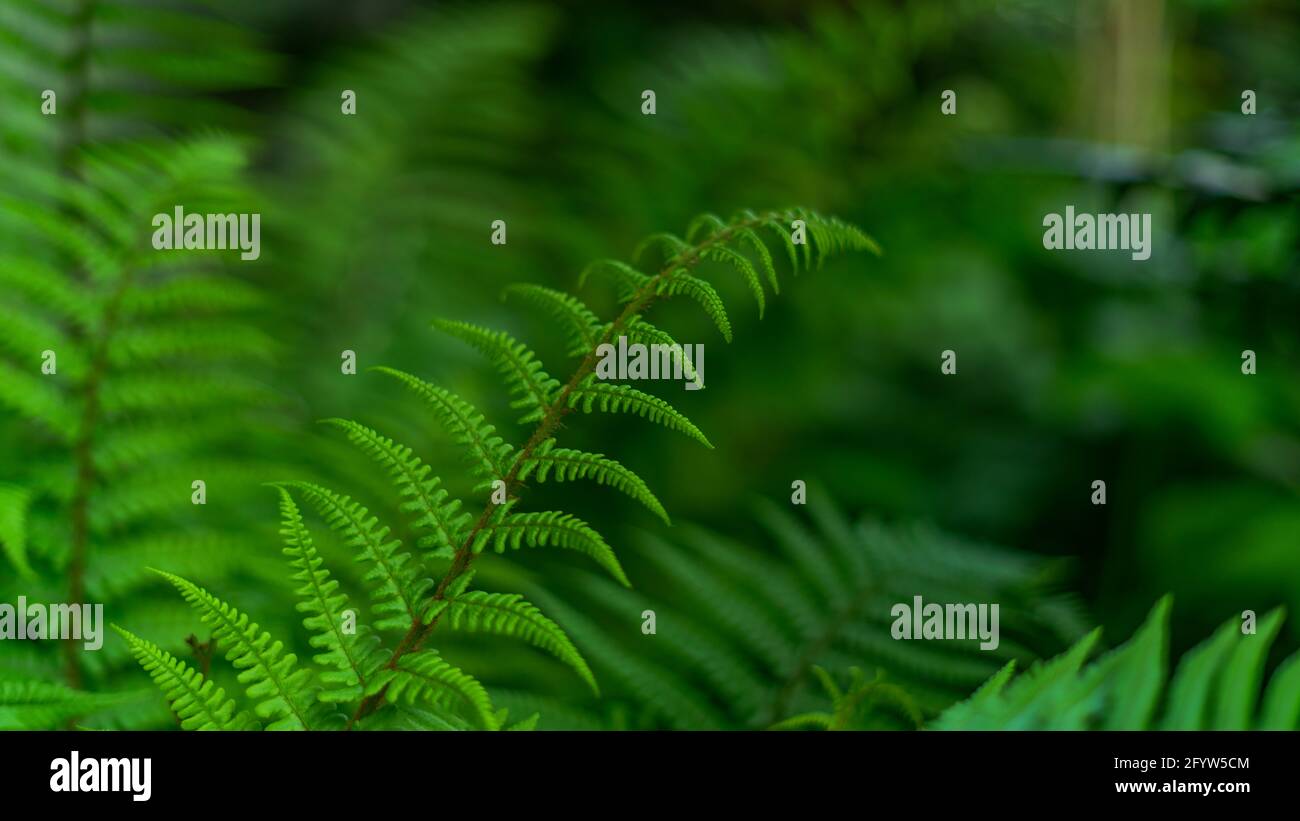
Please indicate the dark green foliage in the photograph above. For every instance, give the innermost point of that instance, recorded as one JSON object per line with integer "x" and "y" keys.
{"x": 1215, "y": 686}
{"x": 857, "y": 707}
{"x": 754, "y": 627}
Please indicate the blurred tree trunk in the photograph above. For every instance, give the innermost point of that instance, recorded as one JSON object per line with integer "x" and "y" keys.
{"x": 1124, "y": 55}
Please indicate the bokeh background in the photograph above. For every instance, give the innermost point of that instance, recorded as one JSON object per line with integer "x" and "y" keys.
{"x": 1072, "y": 367}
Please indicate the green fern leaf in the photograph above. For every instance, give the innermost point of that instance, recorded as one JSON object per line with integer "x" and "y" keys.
{"x": 489, "y": 454}
{"x": 628, "y": 281}
{"x": 1238, "y": 686}
{"x": 426, "y": 678}
{"x": 397, "y": 589}
{"x": 284, "y": 692}
{"x": 639, "y": 331}
{"x": 37, "y": 400}
{"x": 582, "y": 326}
{"x": 434, "y": 513}
{"x": 543, "y": 528}
{"x": 568, "y": 465}
{"x": 529, "y": 723}
{"x": 507, "y": 614}
{"x": 671, "y": 246}
{"x": 13, "y": 526}
{"x": 721, "y": 253}
{"x": 750, "y": 237}
{"x": 682, "y": 283}
{"x": 805, "y": 721}
{"x": 1281, "y": 704}
{"x": 1216, "y": 686}
{"x": 592, "y": 393}
{"x": 787, "y": 241}
{"x": 664, "y": 692}
{"x": 532, "y": 386}
{"x": 704, "y": 225}
{"x": 47, "y": 287}
{"x": 38, "y": 705}
{"x": 354, "y": 654}
{"x": 1190, "y": 690}
{"x": 198, "y": 703}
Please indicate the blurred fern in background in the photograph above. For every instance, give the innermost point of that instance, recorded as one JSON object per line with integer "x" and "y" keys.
{"x": 153, "y": 360}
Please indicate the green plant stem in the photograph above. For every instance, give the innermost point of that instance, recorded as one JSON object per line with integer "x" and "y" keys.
{"x": 84, "y": 457}
{"x": 555, "y": 413}
{"x": 74, "y": 136}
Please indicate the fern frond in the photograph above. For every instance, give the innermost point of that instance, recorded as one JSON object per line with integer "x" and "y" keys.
{"x": 425, "y": 678}
{"x": 154, "y": 491}
{"x": 396, "y": 589}
{"x": 191, "y": 295}
{"x": 24, "y": 334}
{"x": 169, "y": 392}
{"x": 639, "y": 331}
{"x": 1280, "y": 709}
{"x": 532, "y": 386}
{"x": 826, "y": 235}
{"x": 704, "y": 225}
{"x": 539, "y": 529}
{"x": 805, "y": 721}
{"x": 1215, "y": 686}
{"x": 554, "y": 712}
{"x": 37, "y": 400}
{"x": 593, "y": 393}
{"x": 46, "y": 286}
{"x": 354, "y": 654}
{"x": 787, "y": 241}
{"x": 754, "y": 625}
{"x": 529, "y": 723}
{"x": 489, "y": 454}
{"x": 669, "y": 244}
{"x": 13, "y": 526}
{"x": 581, "y": 325}
{"x": 681, "y": 283}
{"x": 568, "y": 465}
{"x": 750, "y": 237}
{"x": 682, "y": 706}
{"x": 123, "y": 570}
{"x": 507, "y": 614}
{"x": 125, "y": 448}
{"x": 434, "y": 512}
{"x": 199, "y": 703}
{"x": 760, "y": 631}
{"x": 695, "y": 645}
{"x": 284, "y": 692}
{"x": 191, "y": 339}
{"x": 804, "y": 551}
{"x": 403, "y": 716}
{"x": 36, "y": 705}
{"x": 723, "y": 254}
{"x": 853, "y": 709}
{"x": 628, "y": 281}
